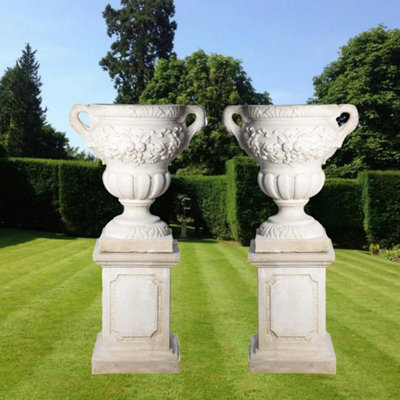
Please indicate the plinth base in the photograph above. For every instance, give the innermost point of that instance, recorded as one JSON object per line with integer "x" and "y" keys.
{"x": 316, "y": 361}
{"x": 123, "y": 361}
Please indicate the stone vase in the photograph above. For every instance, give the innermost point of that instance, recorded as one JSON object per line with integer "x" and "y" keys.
{"x": 136, "y": 250}
{"x": 291, "y": 143}
{"x": 137, "y": 143}
{"x": 291, "y": 250}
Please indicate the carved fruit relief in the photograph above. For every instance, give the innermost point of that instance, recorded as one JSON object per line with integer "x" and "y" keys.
{"x": 137, "y": 147}
{"x": 291, "y": 145}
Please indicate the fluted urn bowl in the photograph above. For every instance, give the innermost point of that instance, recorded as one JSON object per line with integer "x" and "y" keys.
{"x": 291, "y": 143}
{"x": 137, "y": 143}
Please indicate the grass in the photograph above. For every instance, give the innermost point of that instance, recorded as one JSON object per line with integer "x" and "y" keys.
{"x": 50, "y": 313}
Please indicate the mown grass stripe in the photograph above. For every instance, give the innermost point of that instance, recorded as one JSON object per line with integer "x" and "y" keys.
{"x": 378, "y": 327}
{"x": 29, "y": 333}
{"x": 377, "y": 289}
{"x": 363, "y": 370}
{"x": 374, "y": 261}
{"x": 36, "y": 283}
{"x": 371, "y": 299}
{"x": 370, "y": 268}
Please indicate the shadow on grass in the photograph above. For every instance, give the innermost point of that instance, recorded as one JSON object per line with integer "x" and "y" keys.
{"x": 13, "y": 236}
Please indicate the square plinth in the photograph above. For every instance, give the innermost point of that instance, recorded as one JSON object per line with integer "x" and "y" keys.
{"x": 313, "y": 361}
{"x": 115, "y": 361}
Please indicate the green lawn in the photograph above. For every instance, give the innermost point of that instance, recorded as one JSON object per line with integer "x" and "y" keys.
{"x": 50, "y": 313}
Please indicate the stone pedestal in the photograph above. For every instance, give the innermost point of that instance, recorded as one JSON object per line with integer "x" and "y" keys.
{"x": 135, "y": 334}
{"x": 292, "y": 334}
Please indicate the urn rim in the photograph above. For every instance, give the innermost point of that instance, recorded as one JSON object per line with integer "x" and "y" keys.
{"x": 306, "y": 111}
{"x": 137, "y": 111}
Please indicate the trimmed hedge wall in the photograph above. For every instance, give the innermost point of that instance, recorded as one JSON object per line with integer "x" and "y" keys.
{"x": 69, "y": 196}
{"x": 85, "y": 204}
{"x": 247, "y": 205}
{"x": 381, "y": 206}
{"x": 29, "y": 193}
{"x": 339, "y": 209}
{"x": 208, "y": 202}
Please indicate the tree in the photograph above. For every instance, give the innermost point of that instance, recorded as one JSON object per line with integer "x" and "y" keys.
{"x": 21, "y": 113}
{"x": 24, "y": 131}
{"x": 213, "y": 81}
{"x": 144, "y": 33}
{"x": 366, "y": 74}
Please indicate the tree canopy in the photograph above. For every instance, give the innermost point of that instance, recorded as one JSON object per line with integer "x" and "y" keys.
{"x": 213, "y": 81}
{"x": 144, "y": 32}
{"x": 366, "y": 74}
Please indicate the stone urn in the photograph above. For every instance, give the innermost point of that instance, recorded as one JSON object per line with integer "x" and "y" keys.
{"x": 137, "y": 143}
{"x": 291, "y": 143}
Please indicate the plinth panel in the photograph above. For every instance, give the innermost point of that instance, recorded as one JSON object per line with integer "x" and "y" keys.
{"x": 293, "y": 305}
{"x": 134, "y": 306}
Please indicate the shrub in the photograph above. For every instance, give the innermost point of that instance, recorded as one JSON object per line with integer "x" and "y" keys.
{"x": 29, "y": 193}
{"x": 85, "y": 204}
{"x": 381, "y": 205}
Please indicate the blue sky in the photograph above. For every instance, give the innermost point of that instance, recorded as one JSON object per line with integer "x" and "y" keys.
{"x": 282, "y": 43}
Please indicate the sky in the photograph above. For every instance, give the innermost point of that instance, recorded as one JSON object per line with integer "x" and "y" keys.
{"x": 283, "y": 44}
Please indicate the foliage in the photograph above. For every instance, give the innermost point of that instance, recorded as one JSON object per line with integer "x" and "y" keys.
{"x": 208, "y": 202}
{"x": 29, "y": 193}
{"x": 85, "y": 204}
{"x": 247, "y": 205}
{"x": 213, "y": 81}
{"x": 23, "y": 129}
{"x": 338, "y": 208}
{"x": 144, "y": 32}
{"x": 50, "y": 314}
{"x": 380, "y": 196}
{"x": 366, "y": 74}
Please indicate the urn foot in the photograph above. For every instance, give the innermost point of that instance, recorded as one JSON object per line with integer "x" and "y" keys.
{"x": 306, "y": 236}
{"x": 121, "y": 235}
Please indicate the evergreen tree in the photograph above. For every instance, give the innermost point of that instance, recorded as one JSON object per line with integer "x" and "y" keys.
{"x": 144, "y": 33}
{"x": 21, "y": 113}
{"x": 24, "y": 131}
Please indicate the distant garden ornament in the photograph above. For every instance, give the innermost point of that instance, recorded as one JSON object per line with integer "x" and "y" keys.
{"x": 291, "y": 249}
{"x": 136, "y": 250}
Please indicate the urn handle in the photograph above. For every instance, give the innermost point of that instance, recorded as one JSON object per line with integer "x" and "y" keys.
{"x": 77, "y": 124}
{"x": 198, "y": 123}
{"x": 232, "y": 127}
{"x": 351, "y": 122}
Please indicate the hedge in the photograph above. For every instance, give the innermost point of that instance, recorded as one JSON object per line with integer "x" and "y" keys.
{"x": 247, "y": 205}
{"x": 69, "y": 196}
{"x": 381, "y": 206}
{"x": 29, "y": 194}
{"x": 337, "y": 207}
{"x": 85, "y": 204}
{"x": 208, "y": 202}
